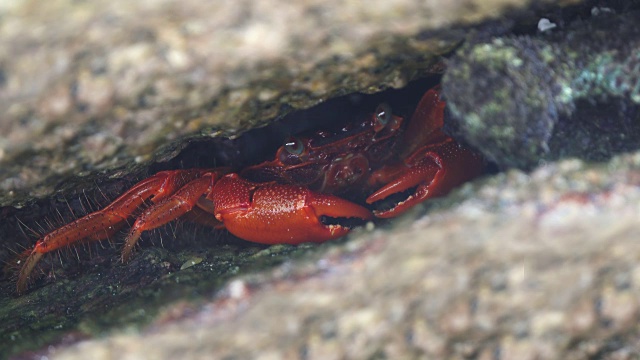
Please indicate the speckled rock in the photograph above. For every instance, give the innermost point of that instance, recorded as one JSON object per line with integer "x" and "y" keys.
{"x": 515, "y": 266}
{"x": 524, "y": 266}
{"x": 90, "y": 86}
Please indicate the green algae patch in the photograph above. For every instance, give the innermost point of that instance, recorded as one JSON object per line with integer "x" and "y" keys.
{"x": 524, "y": 100}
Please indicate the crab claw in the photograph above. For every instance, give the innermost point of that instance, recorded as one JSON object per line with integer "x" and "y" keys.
{"x": 271, "y": 213}
{"x": 415, "y": 182}
{"x": 430, "y": 171}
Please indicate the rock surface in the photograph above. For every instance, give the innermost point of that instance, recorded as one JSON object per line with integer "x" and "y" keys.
{"x": 571, "y": 91}
{"x": 524, "y": 266}
{"x": 96, "y": 85}
{"x": 512, "y": 266}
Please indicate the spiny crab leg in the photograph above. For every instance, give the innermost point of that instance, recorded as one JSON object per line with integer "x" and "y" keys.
{"x": 104, "y": 223}
{"x": 171, "y": 208}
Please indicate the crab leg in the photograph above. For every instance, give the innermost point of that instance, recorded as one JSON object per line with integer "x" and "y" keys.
{"x": 426, "y": 123}
{"x": 104, "y": 223}
{"x": 163, "y": 212}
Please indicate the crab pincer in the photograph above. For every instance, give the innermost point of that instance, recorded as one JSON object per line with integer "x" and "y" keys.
{"x": 430, "y": 165}
{"x": 430, "y": 171}
{"x": 272, "y": 213}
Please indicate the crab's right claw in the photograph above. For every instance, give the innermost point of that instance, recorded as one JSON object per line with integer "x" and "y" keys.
{"x": 274, "y": 213}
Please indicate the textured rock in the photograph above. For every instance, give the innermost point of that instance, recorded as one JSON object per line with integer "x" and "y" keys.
{"x": 96, "y": 85}
{"x": 515, "y": 266}
{"x": 571, "y": 91}
{"x": 539, "y": 266}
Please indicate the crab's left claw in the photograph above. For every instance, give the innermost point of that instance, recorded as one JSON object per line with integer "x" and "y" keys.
{"x": 430, "y": 171}
{"x": 271, "y": 213}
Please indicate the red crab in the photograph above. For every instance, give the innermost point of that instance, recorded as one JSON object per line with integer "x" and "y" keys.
{"x": 296, "y": 197}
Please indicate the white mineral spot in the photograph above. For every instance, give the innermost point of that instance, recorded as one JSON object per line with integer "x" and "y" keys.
{"x": 238, "y": 289}
{"x": 191, "y": 262}
{"x": 545, "y": 25}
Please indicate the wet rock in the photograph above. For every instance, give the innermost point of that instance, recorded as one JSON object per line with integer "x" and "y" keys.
{"x": 569, "y": 92}
{"x": 95, "y": 86}
{"x": 539, "y": 265}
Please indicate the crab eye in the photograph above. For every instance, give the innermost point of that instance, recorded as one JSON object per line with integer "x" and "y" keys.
{"x": 294, "y": 146}
{"x": 383, "y": 114}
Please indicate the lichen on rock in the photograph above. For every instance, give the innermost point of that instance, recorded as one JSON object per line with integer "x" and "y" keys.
{"x": 523, "y": 100}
